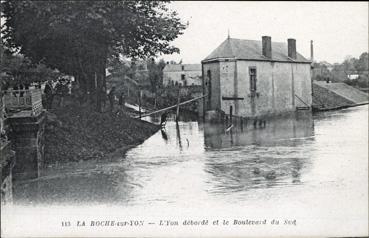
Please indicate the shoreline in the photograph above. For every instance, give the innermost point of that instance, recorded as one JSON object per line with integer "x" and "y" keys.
{"x": 77, "y": 133}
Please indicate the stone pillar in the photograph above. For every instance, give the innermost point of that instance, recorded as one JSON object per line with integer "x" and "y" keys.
{"x": 27, "y": 135}
{"x": 7, "y": 160}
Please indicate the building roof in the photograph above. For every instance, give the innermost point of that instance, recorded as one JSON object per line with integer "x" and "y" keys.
{"x": 251, "y": 50}
{"x": 178, "y": 67}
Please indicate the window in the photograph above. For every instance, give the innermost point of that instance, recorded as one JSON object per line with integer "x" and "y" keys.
{"x": 208, "y": 73}
{"x": 183, "y": 77}
{"x": 182, "y": 67}
{"x": 252, "y": 73}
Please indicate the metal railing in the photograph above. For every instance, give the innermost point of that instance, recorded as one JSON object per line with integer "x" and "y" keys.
{"x": 24, "y": 100}
{"x": 302, "y": 101}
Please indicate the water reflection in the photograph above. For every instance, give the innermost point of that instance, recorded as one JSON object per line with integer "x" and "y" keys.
{"x": 260, "y": 157}
{"x": 292, "y": 128}
{"x": 250, "y": 170}
{"x": 164, "y": 135}
{"x": 74, "y": 185}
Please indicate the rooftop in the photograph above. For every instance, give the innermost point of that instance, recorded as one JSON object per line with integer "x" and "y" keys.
{"x": 252, "y": 50}
{"x": 178, "y": 67}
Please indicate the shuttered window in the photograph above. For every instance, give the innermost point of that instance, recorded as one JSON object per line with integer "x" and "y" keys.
{"x": 252, "y": 73}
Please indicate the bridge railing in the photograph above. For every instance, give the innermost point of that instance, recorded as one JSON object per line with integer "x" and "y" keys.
{"x": 24, "y": 100}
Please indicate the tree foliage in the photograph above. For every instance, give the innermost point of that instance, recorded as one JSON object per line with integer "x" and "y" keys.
{"x": 15, "y": 69}
{"x": 78, "y": 37}
{"x": 340, "y": 72}
{"x": 155, "y": 70}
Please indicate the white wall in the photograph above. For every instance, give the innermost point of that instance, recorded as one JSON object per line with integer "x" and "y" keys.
{"x": 276, "y": 85}
{"x": 192, "y": 77}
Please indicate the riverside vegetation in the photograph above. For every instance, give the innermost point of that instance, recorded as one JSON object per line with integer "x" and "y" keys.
{"x": 75, "y": 133}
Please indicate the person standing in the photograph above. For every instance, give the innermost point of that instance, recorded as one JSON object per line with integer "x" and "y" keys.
{"x": 64, "y": 92}
{"x": 77, "y": 92}
{"x": 58, "y": 92}
{"x": 15, "y": 89}
{"x": 103, "y": 96}
{"x": 49, "y": 93}
{"x": 21, "y": 89}
{"x": 74, "y": 90}
{"x": 122, "y": 100}
{"x": 111, "y": 97}
{"x": 163, "y": 119}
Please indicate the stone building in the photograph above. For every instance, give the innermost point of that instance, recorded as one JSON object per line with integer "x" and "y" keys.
{"x": 182, "y": 74}
{"x": 256, "y": 78}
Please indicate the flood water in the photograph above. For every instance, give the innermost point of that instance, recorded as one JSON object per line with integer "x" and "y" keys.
{"x": 303, "y": 162}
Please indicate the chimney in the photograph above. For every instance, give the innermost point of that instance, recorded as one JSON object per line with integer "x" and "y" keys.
{"x": 291, "y": 48}
{"x": 267, "y": 46}
{"x": 311, "y": 51}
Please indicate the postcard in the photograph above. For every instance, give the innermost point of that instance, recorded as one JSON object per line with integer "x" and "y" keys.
{"x": 184, "y": 119}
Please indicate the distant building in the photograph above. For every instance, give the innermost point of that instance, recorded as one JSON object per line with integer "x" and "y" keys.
{"x": 256, "y": 78}
{"x": 352, "y": 76}
{"x": 182, "y": 74}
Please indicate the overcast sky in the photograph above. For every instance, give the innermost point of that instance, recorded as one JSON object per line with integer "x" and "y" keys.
{"x": 338, "y": 29}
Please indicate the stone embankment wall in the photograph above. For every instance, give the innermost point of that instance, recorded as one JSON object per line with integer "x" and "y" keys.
{"x": 336, "y": 95}
{"x": 27, "y": 135}
{"x": 7, "y": 161}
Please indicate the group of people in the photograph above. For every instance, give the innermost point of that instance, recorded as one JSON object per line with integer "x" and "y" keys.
{"x": 20, "y": 87}
{"x": 61, "y": 90}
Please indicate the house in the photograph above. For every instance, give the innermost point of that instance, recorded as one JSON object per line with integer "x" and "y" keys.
{"x": 182, "y": 74}
{"x": 352, "y": 76}
{"x": 252, "y": 78}
{"x": 355, "y": 74}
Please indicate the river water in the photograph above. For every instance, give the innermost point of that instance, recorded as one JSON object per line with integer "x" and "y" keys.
{"x": 309, "y": 166}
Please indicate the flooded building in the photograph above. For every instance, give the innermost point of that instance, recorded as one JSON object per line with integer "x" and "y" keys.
{"x": 252, "y": 78}
{"x": 182, "y": 74}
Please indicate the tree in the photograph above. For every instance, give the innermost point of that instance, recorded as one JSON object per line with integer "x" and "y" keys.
{"x": 155, "y": 76}
{"x": 17, "y": 69}
{"x": 321, "y": 71}
{"x": 78, "y": 37}
{"x": 362, "y": 63}
{"x": 119, "y": 68}
{"x": 349, "y": 64}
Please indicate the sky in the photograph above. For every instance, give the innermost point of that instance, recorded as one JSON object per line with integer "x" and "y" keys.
{"x": 338, "y": 29}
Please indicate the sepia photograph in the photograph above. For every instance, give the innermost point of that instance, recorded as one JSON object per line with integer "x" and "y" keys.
{"x": 184, "y": 118}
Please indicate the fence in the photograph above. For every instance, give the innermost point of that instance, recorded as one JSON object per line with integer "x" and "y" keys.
{"x": 24, "y": 100}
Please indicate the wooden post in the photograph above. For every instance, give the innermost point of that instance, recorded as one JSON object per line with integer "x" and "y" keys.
{"x": 139, "y": 103}
{"x": 178, "y": 101}
{"x": 96, "y": 91}
{"x": 230, "y": 114}
{"x": 203, "y": 92}
{"x": 178, "y": 136}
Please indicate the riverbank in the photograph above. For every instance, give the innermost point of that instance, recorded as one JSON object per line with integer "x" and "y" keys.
{"x": 75, "y": 133}
{"x": 334, "y": 96}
